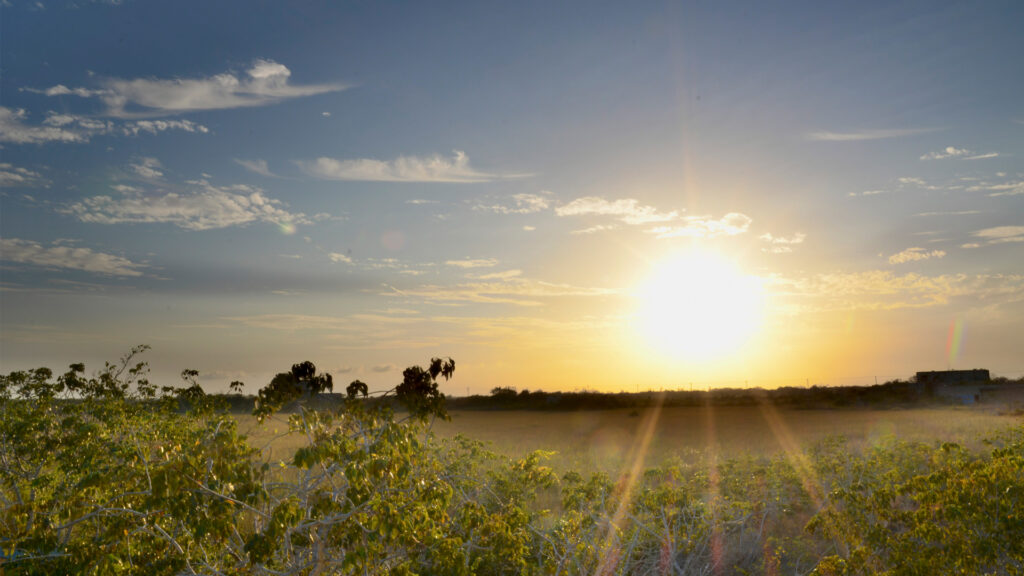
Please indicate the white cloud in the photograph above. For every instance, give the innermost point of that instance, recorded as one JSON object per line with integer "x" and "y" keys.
{"x": 528, "y": 228}
{"x": 421, "y": 201}
{"x": 11, "y": 175}
{"x": 731, "y": 224}
{"x": 914, "y": 254}
{"x": 867, "y": 193}
{"x": 521, "y": 204}
{"x": 59, "y": 255}
{"x": 1002, "y": 234}
{"x": 265, "y": 82}
{"x": 859, "y": 135}
{"x": 1011, "y": 188}
{"x": 257, "y": 166}
{"x": 513, "y": 290}
{"x": 69, "y": 128}
{"x": 884, "y": 290}
{"x": 947, "y": 152}
{"x": 954, "y": 152}
{"x": 781, "y": 244}
{"x": 202, "y": 206}
{"x": 434, "y": 168}
{"x": 628, "y": 210}
{"x": 148, "y": 168}
{"x": 157, "y": 126}
{"x": 473, "y": 263}
{"x": 504, "y": 275}
{"x": 339, "y": 258}
{"x": 954, "y": 213}
{"x": 13, "y": 130}
{"x": 594, "y": 229}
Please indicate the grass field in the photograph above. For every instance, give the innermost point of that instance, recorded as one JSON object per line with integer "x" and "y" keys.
{"x": 611, "y": 439}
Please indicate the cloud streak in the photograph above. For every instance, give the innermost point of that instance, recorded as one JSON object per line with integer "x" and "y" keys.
{"x": 915, "y": 254}
{"x": 861, "y": 135}
{"x": 434, "y": 168}
{"x": 265, "y": 82}
{"x": 62, "y": 256}
{"x": 732, "y": 224}
{"x": 627, "y": 210}
{"x": 202, "y": 206}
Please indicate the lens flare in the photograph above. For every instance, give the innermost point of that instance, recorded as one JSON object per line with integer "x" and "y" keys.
{"x": 954, "y": 341}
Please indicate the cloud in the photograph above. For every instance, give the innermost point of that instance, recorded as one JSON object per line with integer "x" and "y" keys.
{"x": 528, "y": 228}
{"x": 860, "y": 135}
{"x": 867, "y": 193}
{"x": 11, "y": 176}
{"x": 147, "y": 168}
{"x": 434, "y": 168}
{"x": 265, "y": 82}
{"x": 781, "y": 244}
{"x": 13, "y": 130}
{"x": 1002, "y": 234}
{"x": 256, "y": 166}
{"x": 884, "y": 290}
{"x": 470, "y": 263}
{"x": 953, "y": 213}
{"x": 157, "y": 126}
{"x": 201, "y": 206}
{"x": 594, "y": 229}
{"x": 59, "y": 255}
{"x": 731, "y": 224}
{"x": 383, "y": 368}
{"x": 953, "y": 152}
{"x": 628, "y": 210}
{"x": 339, "y": 258}
{"x": 68, "y": 128}
{"x": 421, "y": 201}
{"x": 521, "y": 204}
{"x": 512, "y": 290}
{"x": 1010, "y": 188}
{"x": 915, "y": 254}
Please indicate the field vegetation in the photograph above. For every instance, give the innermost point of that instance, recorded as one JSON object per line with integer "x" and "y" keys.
{"x": 111, "y": 474}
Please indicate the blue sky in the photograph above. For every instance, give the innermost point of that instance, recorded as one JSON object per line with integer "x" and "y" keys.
{"x": 247, "y": 185}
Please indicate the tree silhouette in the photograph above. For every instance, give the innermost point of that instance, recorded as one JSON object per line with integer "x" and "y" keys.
{"x": 356, "y": 388}
{"x": 289, "y": 386}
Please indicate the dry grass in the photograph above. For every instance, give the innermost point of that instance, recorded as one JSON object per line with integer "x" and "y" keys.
{"x": 606, "y": 439}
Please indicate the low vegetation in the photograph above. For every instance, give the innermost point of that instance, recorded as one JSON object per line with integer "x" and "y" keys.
{"x": 111, "y": 474}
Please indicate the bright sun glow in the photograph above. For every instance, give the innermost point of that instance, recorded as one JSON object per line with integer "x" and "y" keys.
{"x": 698, "y": 306}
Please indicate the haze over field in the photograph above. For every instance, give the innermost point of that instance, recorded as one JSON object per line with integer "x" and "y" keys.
{"x": 579, "y": 194}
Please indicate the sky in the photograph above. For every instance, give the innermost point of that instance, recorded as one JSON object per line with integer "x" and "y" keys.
{"x": 558, "y": 195}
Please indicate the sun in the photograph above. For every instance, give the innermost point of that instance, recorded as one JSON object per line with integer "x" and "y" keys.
{"x": 698, "y": 306}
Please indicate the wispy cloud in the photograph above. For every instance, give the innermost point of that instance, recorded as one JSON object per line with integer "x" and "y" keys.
{"x": 914, "y": 254}
{"x": 473, "y": 263}
{"x": 732, "y": 224}
{"x": 516, "y": 291}
{"x": 148, "y": 168}
{"x": 594, "y": 229}
{"x": 256, "y": 166}
{"x": 885, "y": 290}
{"x": 627, "y": 210}
{"x": 339, "y": 258}
{"x": 68, "y": 128}
{"x": 519, "y": 204}
{"x": 953, "y": 213}
{"x": 781, "y": 244}
{"x": 859, "y": 135}
{"x": 265, "y": 82}
{"x": 434, "y": 168}
{"x": 954, "y": 152}
{"x": 15, "y": 131}
{"x": 199, "y": 206}
{"x": 1002, "y": 234}
{"x": 61, "y": 255}
{"x": 12, "y": 176}
{"x": 1008, "y": 188}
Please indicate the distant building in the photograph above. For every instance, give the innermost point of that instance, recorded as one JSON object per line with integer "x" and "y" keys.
{"x": 965, "y": 386}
